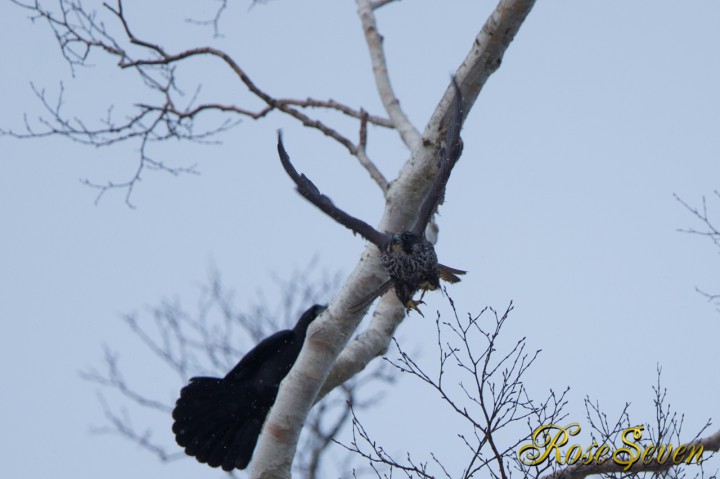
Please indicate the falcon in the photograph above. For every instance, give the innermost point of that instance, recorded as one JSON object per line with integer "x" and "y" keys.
{"x": 218, "y": 420}
{"x": 408, "y": 256}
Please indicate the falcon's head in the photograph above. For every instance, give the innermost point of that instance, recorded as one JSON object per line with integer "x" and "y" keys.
{"x": 403, "y": 242}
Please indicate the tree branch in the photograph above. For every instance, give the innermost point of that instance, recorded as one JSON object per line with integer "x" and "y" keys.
{"x": 381, "y": 3}
{"x": 209, "y": 342}
{"x": 371, "y": 343}
{"x": 702, "y": 214}
{"x": 328, "y": 335}
{"x": 79, "y": 32}
{"x": 409, "y": 135}
{"x": 405, "y": 194}
{"x": 468, "y": 350}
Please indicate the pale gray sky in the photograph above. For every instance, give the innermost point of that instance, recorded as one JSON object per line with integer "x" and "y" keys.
{"x": 562, "y": 201}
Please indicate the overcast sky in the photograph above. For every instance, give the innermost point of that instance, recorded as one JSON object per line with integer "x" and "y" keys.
{"x": 562, "y": 202}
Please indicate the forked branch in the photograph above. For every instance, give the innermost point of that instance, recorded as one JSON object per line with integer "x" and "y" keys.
{"x": 275, "y": 450}
{"x": 80, "y": 32}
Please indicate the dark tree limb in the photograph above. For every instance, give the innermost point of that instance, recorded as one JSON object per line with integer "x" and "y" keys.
{"x": 79, "y": 32}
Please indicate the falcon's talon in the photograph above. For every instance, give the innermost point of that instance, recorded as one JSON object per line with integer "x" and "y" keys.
{"x": 413, "y": 305}
{"x": 422, "y": 294}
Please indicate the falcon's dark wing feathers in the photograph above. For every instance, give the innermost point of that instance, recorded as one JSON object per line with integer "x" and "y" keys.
{"x": 311, "y": 192}
{"x": 370, "y": 297}
{"x": 408, "y": 257}
{"x": 449, "y": 154}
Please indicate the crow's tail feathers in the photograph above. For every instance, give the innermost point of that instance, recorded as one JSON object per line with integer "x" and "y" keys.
{"x": 213, "y": 424}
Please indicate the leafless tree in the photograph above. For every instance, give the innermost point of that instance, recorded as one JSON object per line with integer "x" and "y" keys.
{"x": 667, "y": 429}
{"x": 210, "y": 341}
{"x": 486, "y": 391}
{"x": 500, "y": 415}
{"x": 333, "y": 358}
{"x": 706, "y": 230}
{"x": 335, "y": 352}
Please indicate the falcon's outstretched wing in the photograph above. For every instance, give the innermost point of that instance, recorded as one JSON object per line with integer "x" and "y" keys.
{"x": 308, "y": 189}
{"x": 449, "y": 154}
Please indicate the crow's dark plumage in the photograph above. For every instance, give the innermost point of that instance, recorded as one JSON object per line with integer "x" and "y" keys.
{"x": 219, "y": 420}
{"x": 408, "y": 256}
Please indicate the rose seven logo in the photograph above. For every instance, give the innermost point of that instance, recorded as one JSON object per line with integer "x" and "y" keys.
{"x": 549, "y": 439}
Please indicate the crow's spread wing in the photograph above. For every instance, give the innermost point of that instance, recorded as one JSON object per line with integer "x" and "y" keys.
{"x": 219, "y": 420}
{"x": 252, "y": 363}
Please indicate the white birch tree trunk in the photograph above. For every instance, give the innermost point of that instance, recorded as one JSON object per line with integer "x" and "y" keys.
{"x": 327, "y": 359}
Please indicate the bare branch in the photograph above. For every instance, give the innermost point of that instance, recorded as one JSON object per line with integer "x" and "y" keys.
{"x": 329, "y": 336}
{"x": 79, "y": 32}
{"x": 115, "y": 380}
{"x": 371, "y": 343}
{"x": 375, "y": 340}
{"x": 499, "y": 400}
{"x": 484, "y": 58}
{"x": 208, "y": 342}
{"x": 121, "y": 425}
{"x": 666, "y": 430}
{"x": 334, "y": 105}
{"x": 380, "y": 3}
{"x": 362, "y": 157}
{"x": 215, "y": 20}
{"x": 702, "y": 214}
{"x": 409, "y": 134}
{"x": 709, "y": 230}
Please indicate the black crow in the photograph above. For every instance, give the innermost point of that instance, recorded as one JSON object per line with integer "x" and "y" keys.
{"x": 219, "y": 420}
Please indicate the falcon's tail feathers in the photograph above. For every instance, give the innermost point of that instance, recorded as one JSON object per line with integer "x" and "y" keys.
{"x": 450, "y": 274}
